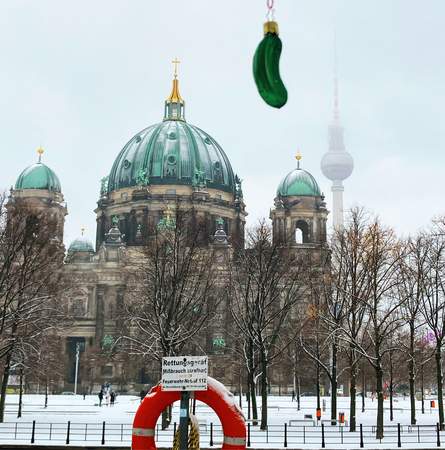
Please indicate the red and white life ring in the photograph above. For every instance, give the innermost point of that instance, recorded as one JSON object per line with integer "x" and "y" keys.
{"x": 216, "y": 396}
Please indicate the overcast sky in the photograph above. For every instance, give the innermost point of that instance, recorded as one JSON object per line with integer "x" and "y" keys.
{"x": 81, "y": 78}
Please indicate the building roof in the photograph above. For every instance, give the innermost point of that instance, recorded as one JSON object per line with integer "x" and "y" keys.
{"x": 81, "y": 244}
{"x": 298, "y": 182}
{"x": 38, "y": 176}
{"x": 172, "y": 152}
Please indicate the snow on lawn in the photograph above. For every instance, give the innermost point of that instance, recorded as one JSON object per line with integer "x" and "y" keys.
{"x": 87, "y": 419}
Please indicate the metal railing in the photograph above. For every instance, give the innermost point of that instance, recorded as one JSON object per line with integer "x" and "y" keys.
{"x": 286, "y": 435}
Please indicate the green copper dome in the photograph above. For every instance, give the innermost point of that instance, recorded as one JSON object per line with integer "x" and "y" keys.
{"x": 38, "y": 176}
{"x": 81, "y": 244}
{"x": 299, "y": 182}
{"x": 172, "y": 152}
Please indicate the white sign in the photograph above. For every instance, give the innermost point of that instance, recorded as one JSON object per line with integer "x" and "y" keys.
{"x": 184, "y": 373}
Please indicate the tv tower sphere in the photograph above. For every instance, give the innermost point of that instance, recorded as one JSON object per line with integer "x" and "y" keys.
{"x": 337, "y": 166}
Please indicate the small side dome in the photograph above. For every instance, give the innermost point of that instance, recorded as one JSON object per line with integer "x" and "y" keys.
{"x": 38, "y": 176}
{"x": 81, "y": 244}
{"x": 299, "y": 182}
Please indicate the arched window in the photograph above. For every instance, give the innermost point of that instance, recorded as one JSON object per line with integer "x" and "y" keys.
{"x": 301, "y": 232}
{"x": 298, "y": 236}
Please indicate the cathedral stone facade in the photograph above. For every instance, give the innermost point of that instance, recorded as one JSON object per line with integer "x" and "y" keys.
{"x": 165, "y": 165}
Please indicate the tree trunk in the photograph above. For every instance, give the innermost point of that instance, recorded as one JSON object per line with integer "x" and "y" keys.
{"x": 317, "y": 384}
{"x": 19, "y": 412}
{"x": 353, "y": 394}
{"x": 240, "y": 391}
{"x": 5, "y": 379}
{"x": 263, "y": 424}
{"x": 297, "y": 379}
{"x": 391, "y": 389}
{"x": 412, "y": 374}
{"x": 439, "y": 376}
{"x": 253, "y": 405}
{"x": 363, "y": 389}
{"x": 298, "y": 393}
{"x": 46, "y": 392}
{"x": 379, "y": 389}
{"x": 334, "y": 383}
{"x": 422, "y": 389}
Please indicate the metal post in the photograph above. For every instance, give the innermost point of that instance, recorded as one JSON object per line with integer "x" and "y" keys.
{"x": 248, "y": 405}
{"x": 174, "y": 430}
{"x": 211, "y": 434}
{"x": 184, "y": 420}
{"x": 267, "y": 433}
{"x": 77, "y": 366}
{"x": 399, "y": 438}
{"x": 361, "y": 436}
{"x": 323, "y": 444}
{"x": 103, "y": 433}
{"x": 438, "y": 434}
{"x": 285, "y": 434}
{"x": 418, "y": 433}
{"x": 33, "y": 433}
{"x": 304, "y": 434}
{"x": 68, "y": 433}
{"x": 248, "y": 434}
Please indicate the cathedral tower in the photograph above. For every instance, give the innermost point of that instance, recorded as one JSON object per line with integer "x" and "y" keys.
{"x": 300, "y": 214}
{"x": 38, "y": 189}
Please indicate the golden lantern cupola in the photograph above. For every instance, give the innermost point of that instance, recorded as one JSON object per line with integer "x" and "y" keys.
{"x": 174, "y": 105}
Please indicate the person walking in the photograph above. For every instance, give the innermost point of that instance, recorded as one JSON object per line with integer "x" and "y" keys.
{"x": 293, "y": 395}
{"x": 107, "y": 398}
{"x": 142, "y": 394}
{"x": 112, "y": 398}
{"x": 101, "y": 397}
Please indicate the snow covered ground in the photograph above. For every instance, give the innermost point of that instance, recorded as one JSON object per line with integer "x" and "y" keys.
{"x": 86, "y": 423}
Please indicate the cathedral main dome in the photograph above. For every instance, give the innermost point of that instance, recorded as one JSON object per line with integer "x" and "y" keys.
{"x": 172, "y": 152}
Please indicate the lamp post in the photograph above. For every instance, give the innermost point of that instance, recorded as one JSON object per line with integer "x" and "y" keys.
{"x": 77, "y": 366}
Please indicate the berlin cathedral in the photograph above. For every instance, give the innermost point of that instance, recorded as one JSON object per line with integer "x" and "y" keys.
{"x": 169, "y": 161}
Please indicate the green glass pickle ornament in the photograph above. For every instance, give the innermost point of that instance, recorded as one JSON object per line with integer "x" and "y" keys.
{"x": 266, "y": 67}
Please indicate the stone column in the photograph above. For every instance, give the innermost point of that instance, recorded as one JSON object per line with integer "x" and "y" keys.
{"x": 100, "y": 313}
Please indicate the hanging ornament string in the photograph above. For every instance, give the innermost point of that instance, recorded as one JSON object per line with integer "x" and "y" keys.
{"x": 270, "y": 15}
{"x": 266, "y": 63}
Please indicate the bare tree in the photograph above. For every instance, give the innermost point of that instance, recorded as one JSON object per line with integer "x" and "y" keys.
{"x": 381, "y": 259}
{"x": 411, "y": 273}
{"x": 321, "y": 340}
{"x": 173, "y": 292}
{"x": 350, "y": 288}
{"x": 267, "y": 281}
{"x": 30, "y": 283}
{"x": 43, "y": 362}
{"x": 433, "y": 307}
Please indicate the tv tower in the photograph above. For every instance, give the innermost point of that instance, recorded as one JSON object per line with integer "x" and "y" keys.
{"x": 337, "y": 163}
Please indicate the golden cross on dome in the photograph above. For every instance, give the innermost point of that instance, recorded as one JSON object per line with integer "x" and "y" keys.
{"x": 82, "y": 230}
{"x": 176, "y": 62}
{"x": 298, "y": 157}
{"x": 40, "y": 153}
